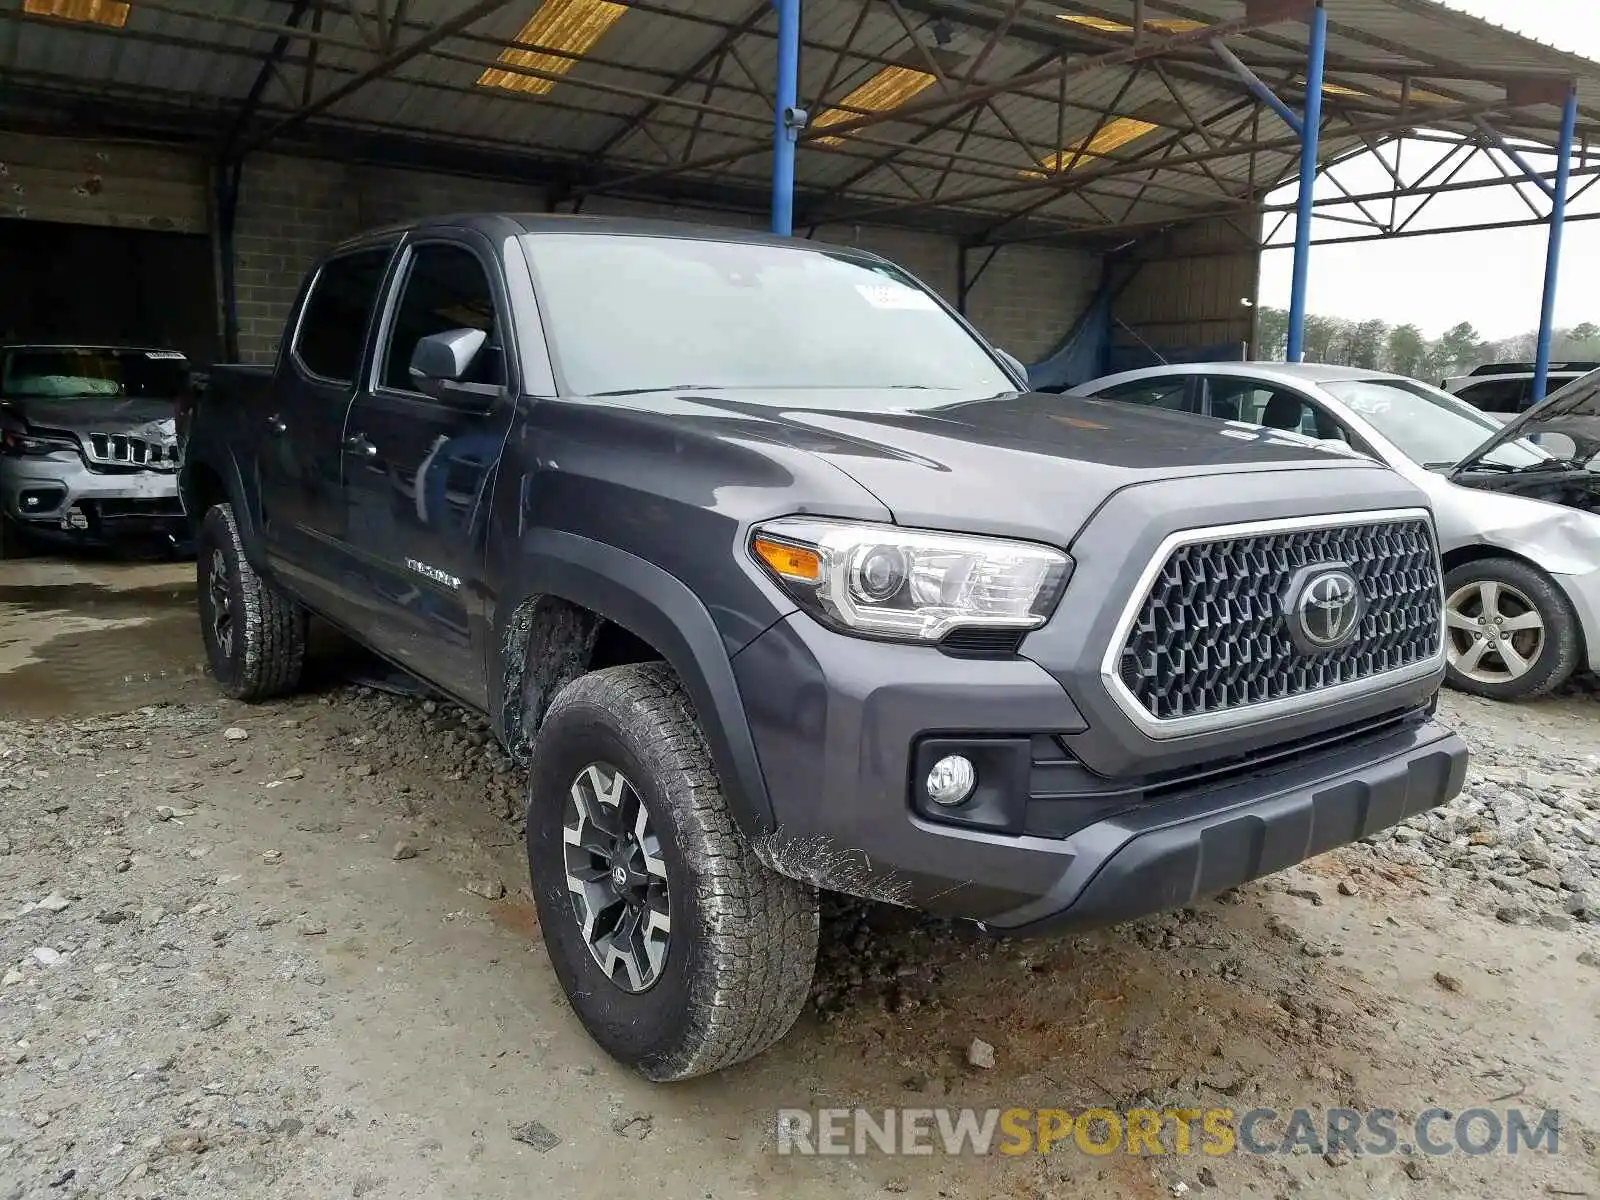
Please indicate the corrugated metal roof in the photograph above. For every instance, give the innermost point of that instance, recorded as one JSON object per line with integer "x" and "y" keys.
{"x": 202, "y": 57}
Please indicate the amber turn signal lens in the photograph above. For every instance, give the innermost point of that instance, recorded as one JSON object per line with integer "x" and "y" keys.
{"x": 791, "y": 562}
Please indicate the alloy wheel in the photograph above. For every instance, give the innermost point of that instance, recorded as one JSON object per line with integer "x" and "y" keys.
{"x": 221, "y": 597}
{"x": 1495, "y": 634}
{"x": 616, "y": 876}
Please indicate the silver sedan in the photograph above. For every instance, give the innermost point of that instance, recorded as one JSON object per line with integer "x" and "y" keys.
{"x": 1516, "y": 504}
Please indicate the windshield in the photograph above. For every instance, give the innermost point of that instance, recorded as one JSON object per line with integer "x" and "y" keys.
{"x": 80, "y": 372}
{"x": 1428, "y": 426}
{"x": 646, "y": 313}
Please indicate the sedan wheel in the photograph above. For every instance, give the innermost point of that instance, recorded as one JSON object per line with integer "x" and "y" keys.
{"x": 1510, "y": 631}
{"x": 1496, "y": 632}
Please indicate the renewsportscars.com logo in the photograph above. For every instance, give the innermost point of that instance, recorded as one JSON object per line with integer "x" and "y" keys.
{"x": 1180, "y": 1131}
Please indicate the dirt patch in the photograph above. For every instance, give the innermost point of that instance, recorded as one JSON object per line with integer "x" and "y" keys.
{"x": 72, "y": 643}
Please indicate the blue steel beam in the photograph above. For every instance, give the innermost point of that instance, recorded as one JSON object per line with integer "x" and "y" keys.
{"x": 1309, "y": 137}
{"x": 786, "y": 117}
{"x": 1552, "y": 261}
{"x": 1515, "y": 156}
{"x": 1259, "y": 86}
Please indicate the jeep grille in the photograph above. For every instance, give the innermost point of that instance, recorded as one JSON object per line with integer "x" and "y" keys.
{"x": 121, "y": 450}
{"x": 1211, "y": 635}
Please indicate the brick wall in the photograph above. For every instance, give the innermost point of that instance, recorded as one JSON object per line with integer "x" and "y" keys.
{"x": 291, "y": 210}
{"x": 1028, "y": 298}
{"x": 386, "y": 195}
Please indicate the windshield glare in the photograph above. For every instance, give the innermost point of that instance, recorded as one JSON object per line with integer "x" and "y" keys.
{"x": 638, "y": 313}
{"x": 80, "y": 372}
{"x": 1428, "y": 426}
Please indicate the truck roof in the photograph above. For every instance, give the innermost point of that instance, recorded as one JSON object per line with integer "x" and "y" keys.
{"x": 504, "y": 223}
{"x": 120, "y": 349}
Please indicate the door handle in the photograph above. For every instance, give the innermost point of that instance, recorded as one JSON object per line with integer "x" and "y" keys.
{"x": 358, "y": 445}
{"x": 275, "y": 424}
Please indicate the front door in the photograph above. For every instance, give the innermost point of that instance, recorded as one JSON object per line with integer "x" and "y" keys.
{"x": 301, "y": 461}
{"x": 418, "y": 470}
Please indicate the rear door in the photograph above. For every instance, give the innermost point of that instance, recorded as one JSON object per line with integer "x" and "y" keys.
{"x": 300, "y": 459}
{"x": 418, "y": 470}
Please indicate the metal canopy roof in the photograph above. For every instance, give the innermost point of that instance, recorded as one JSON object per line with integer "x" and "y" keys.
{"x": 1010, "y": 119}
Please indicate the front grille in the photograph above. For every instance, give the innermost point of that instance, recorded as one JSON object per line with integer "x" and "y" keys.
{"x": 1211, "y": 634}
{"x": 124, "y": 450}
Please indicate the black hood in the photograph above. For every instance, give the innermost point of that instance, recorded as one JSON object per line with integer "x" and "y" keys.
{"x": 95, "y": 414}
{"x": 1033, "y": 465}
{"x": 1573, "y": 411}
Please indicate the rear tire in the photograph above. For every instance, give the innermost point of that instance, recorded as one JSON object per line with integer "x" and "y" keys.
{"x": 731, "y": 973}
{"x": 255, "y": 636}
{"x": 1503, "y": 598}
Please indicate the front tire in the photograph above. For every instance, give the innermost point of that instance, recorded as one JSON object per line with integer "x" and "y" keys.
{"x": 679, "y": 950}
{"x": 1510, "y": 632}
{"x": 255, "y": 636}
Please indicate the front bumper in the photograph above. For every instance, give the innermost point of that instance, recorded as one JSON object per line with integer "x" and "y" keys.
{"x": 59, "y": 497}
{"x": 838, "y": 723}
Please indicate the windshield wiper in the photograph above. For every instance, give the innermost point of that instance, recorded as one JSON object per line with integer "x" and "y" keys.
{"x": 1549, "y": 464}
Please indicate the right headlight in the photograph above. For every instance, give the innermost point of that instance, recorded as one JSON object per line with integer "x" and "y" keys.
{"x": 20, "y": 442}
{"x": 909, "y": 584}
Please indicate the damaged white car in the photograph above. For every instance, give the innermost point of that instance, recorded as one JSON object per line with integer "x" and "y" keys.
{"x": 1518, "y": 506}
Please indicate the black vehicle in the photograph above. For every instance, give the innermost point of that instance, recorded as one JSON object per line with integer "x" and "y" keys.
{"x": 769, "y": 570}
{"x": 88, "y": 446}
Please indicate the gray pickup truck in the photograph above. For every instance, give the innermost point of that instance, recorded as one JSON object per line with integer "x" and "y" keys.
{"x": 776, "y": 578}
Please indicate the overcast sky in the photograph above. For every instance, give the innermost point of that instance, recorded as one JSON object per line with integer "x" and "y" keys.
{"x": 1492, "y": 279}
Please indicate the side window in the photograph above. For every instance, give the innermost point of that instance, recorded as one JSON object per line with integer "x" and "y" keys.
{"x": 1164, "y": 392}
{"x": 1273, "y": 408}
{"x": 1495, "y": 395}
{"x": 445, "y": 288}
{"x": 1236, "y": 400}
{"x": 333, "y": 324}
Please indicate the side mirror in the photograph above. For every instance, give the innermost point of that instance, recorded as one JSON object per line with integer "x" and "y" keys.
{"x": 1015, "y": 363}
{"x": 441, "y": 359}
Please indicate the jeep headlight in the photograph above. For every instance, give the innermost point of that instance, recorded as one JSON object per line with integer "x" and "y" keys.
{"x": 909, "y": 584}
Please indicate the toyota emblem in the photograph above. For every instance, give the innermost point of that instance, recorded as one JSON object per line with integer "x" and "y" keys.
{"x": 1324, "y": 607}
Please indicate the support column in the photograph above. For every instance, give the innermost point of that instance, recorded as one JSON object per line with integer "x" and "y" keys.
{"x": 1552, "y": 261}
{"x": 228, "y": 176}
{"x": 787, "y": 119}
{"x": 1309, "y": 137}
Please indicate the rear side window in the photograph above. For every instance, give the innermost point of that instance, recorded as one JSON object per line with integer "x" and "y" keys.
{"x": 1166, "y": 392}
{"x": 333, "y": 325}
{"x": 1496, "y": 395}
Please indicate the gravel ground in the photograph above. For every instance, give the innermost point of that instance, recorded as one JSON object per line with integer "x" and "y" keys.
{"x": 289, "y": 951}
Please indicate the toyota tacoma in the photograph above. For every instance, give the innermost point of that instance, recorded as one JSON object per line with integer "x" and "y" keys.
{"x": 774, "y": 576}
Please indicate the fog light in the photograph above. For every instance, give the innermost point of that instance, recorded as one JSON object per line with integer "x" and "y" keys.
{"x": 951, "y": 781}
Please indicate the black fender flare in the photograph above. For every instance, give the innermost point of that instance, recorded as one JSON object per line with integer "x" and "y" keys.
{"x": 225, "y": 466}
{"x": 659, "y": 608}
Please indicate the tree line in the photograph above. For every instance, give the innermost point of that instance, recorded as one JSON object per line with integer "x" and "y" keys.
{"x": 1405, "y": 350}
